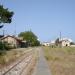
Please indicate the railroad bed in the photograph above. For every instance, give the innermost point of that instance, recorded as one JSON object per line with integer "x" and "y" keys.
{"x": 20, "y": 66}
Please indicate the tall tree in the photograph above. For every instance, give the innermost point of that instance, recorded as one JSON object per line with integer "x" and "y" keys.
{"x": 30, "y": 37}
{"x": 5, "y": 15}
{"x": 57, "y": 41}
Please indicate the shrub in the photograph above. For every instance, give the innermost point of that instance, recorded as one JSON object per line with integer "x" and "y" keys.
{"x": 4, "y": 46}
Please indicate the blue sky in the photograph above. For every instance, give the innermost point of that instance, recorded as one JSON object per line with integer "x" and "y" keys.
{"x": 46, "y": 18}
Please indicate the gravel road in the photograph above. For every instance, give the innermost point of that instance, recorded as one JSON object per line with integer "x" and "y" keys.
{"x": 42, "y": 66}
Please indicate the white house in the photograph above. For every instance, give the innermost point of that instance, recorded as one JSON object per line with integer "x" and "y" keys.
{"x": 52, "y": 42}
{"x": 65, "y": 42}
{"x": 46, "y": 44}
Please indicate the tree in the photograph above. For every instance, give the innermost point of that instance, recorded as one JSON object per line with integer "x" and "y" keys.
{"x": 72, "y": 43}
{"x": 30, "y": 37}
{"x": 57, "y": 42}
{"x": 5, "y": 15}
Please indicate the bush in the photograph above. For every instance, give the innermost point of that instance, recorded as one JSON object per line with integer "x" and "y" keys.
{"x": 4, "y": 46}
{"x": 1, "y": 46}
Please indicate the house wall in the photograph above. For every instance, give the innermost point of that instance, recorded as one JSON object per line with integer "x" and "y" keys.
{"x": 11, "y": 41}
{"x": 65, "y": 43}
{"x": 46, "y": 44}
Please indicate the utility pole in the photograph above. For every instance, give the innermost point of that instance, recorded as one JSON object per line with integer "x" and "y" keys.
{"x": 15, "y": 31}
{"x": 60, "y": 40}
{"x": 3, "y": 40}
{"x": 15, "y": 46}
{"x": 60, "y": 36}
{"x": 3, "y": 33}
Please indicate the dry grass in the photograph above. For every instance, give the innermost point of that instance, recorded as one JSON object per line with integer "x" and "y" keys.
{"x": 10, "y": 56}
{"x": 61, "y": 60}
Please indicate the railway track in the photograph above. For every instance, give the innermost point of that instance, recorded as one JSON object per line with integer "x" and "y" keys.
{"x": 18, "y": 67}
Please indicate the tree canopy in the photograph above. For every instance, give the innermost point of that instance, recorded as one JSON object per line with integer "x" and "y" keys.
{"x": 57, "y": 41}
{"x": 72, "y": 43}
{"x": 5, "y": 15}
{"x": 30, "y": 37}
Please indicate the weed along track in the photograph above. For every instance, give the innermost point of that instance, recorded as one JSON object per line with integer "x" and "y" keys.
{"x": 19, "y": 66}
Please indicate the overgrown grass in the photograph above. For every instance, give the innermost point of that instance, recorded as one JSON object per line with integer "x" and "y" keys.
{"x": 61, "y": 60}
{"x": 7, "y": 57}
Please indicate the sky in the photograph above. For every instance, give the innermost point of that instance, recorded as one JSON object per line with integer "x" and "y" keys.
{"x": 46, "y": 18}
